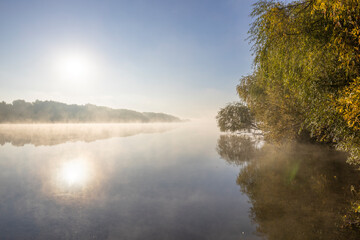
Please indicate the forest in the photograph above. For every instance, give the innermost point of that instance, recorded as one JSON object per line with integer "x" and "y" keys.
{"x": 55, "y": 112}
{"x": 305, "y": 83}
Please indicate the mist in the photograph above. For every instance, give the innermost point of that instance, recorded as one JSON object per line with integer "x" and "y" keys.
{"x": 54, "y": 134}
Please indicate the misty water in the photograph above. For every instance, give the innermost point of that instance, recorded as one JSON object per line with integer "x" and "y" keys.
{"x": 167, "y": 181}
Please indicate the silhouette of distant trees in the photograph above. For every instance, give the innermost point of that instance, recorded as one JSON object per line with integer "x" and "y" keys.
{"x": 21, "y": 111}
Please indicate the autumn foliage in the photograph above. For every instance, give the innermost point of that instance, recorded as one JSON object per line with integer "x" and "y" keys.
{"x": 306, "y": 78}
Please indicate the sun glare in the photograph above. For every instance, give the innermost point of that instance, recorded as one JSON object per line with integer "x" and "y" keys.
{"x": 74, "y": 66}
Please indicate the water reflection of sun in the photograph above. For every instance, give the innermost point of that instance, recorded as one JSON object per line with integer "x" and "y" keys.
{"x": 72, "y": 178}
{"x": 75, "y": 172}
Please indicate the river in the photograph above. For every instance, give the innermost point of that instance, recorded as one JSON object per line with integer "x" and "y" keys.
{"x": 168, "y": 181}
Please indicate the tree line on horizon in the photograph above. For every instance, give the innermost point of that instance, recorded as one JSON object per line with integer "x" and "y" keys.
{"x": 306, "y": 78}
{"x": 20, "y": 111}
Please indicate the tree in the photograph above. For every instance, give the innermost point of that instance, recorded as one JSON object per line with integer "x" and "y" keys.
{"x": 306, "y": 77}
{"x": 55, "y": 112}
{"x": 235, "y": 117}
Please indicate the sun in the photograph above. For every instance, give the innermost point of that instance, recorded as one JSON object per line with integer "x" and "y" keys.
{"x": 74, "y": 66}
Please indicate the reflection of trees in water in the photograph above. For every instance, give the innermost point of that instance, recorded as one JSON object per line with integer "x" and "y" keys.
{"x": 236, "y": 149}
{"x": 297, "y": 192}
{"x": 52, "y": 134}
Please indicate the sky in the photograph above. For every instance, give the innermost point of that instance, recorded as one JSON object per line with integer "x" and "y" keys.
{"x": 179, "y": 57}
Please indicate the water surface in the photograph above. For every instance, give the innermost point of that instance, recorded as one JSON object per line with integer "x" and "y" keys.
{"x": 170, "y": 181}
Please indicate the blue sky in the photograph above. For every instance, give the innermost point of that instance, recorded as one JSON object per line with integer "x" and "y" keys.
{"x": 179, "y": 57}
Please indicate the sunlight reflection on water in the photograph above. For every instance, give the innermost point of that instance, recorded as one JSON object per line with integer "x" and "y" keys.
{"x": 75, "y": 172}
{"x": 72, "y": 178}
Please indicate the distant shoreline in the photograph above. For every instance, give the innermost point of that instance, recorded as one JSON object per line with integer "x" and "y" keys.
{"x": 50, "y": 112}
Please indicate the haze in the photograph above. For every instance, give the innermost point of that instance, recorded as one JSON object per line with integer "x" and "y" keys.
{"x": 177, "y": 57}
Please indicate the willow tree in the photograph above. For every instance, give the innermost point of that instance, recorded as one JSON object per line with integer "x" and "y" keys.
{"x": 235, "y": 117}
{"x": 306, "y": 75}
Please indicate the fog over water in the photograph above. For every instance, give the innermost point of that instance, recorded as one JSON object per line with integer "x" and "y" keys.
{"x": 53, "y": 134}
{"x": 167, "y": 184}
{"x": 166, "y": 181}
